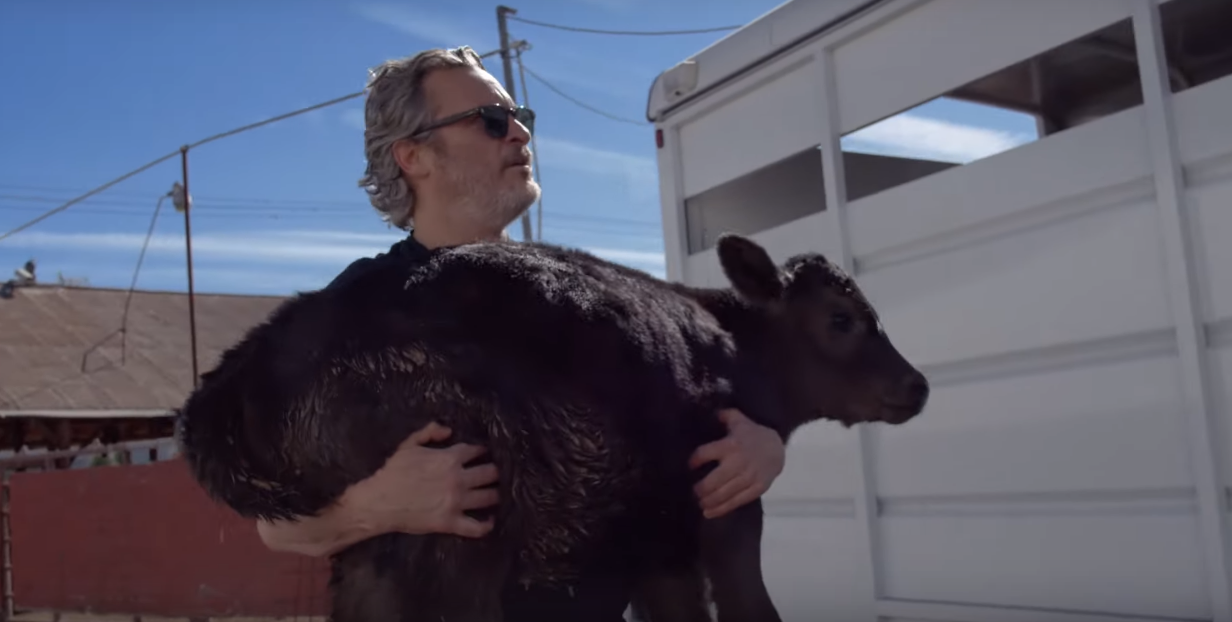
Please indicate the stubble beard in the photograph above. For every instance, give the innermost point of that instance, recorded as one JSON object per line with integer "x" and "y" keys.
{"x": 490, "y": 203}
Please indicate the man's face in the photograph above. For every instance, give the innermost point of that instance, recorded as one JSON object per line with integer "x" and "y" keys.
{"x": 483, "y": 179}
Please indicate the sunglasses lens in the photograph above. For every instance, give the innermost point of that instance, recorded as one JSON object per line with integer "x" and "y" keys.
{"x": 495, "y": 122}
{"x": 526, "y": 117}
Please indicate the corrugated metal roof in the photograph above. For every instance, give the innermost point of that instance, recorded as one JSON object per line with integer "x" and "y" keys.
{"x": 60, "y": 347}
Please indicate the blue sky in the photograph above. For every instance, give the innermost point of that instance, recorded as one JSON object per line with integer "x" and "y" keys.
{"x": 95, "y": 89}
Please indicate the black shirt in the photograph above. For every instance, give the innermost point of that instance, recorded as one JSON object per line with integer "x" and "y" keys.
{"x": 407, "y": 251}
{"x": 599, "y": 597}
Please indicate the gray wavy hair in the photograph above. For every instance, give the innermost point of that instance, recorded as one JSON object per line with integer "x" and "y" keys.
{"x": 396, "y": 107}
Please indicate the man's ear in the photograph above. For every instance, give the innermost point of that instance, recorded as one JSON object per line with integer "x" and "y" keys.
{"x": 414, "y": 158}
{"x": 749, "y": 268}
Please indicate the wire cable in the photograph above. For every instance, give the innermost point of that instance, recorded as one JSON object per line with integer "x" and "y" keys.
{"x": 301, "y": 214}
{"x": 636, "y": 33}
{"x": 208, "y": 139}
{"x": 253, "y": 126}
{"x": 71, "y": 202}
{"x": 534, "y": 149}
{"x": 132, "y": 287}
{"x": 580, "y": 103}
{"x": 141, "y": 196}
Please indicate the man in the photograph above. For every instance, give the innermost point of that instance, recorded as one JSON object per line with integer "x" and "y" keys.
{"x": 446, "y": 147}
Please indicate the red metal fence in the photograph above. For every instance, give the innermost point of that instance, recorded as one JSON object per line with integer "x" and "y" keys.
{"x": 145, "y": 539}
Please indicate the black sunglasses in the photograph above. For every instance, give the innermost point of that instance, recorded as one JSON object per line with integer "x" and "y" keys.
{"x": 495, "y": 119}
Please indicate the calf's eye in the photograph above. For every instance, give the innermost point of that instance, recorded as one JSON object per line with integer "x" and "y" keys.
{"x": 841, "y": 322}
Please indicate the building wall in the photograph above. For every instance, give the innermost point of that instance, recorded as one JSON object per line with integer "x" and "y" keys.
{"x": 146, "y": 539}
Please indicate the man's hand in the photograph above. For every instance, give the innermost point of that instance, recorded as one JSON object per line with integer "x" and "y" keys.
{"x": 419, "y": 490}
{"x": 422, "y": 490}
{"x": 749, "y": 458}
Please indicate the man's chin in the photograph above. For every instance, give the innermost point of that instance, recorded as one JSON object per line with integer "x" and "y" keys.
{"x": 531, "y": 192}
{"x": 526, "y": 199}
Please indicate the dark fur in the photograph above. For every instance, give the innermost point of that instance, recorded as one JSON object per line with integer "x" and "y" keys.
{"x": 589, "y": 383}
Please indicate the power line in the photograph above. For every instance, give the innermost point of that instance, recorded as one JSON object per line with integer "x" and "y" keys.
{"x": 580, "y": 103}
{"x": 200, "y": 208}
{"x": 143, "y": 168}
{"x": 51, "y": 212}
{"x": 554, "y": 224}
{"x": 144, "y": 196}
{"x": 636, "y": 33}
{"x": 557, "y": 221}
{"x": 211, "y": 202}
{"x": 253, "y": 126}
{"x": 136, "y": 273}
{"x": 238, "y": 206}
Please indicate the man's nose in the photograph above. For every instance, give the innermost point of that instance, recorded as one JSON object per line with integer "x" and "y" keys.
{"x": 517, "y": 132}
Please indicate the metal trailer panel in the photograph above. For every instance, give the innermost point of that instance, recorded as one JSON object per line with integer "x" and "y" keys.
{"x": 1071, "y": 300}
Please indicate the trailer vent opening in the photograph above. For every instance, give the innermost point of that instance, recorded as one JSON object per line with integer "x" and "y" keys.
{"x": 1083, "y": 80}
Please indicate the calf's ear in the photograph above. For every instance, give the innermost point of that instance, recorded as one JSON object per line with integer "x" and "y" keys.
{"x": 749, "y": 268}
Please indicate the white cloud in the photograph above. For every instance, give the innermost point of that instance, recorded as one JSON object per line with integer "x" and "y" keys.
{"x": 358, "y": 237}
{"x": 639, "y": 173}
{"x": 212, "y": 246}
{"x": 650, "y": 261}
{"x": 591, "y": 72}
{"x": 431, "y": 28}
{"x": 618, "y": 86}
{"x": 316, "y": 118}
{"x": 611, "y": 5}
{"x": 261, "y": 280}
{"x": 353, "y": 118}
{"x": 304, "y": 248}
{"x": 569, "y": 154}
{"x": 913, "y": 136}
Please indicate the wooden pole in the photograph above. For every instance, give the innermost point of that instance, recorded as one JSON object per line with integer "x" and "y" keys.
{"x": 502, "y": 25}
{"x": 192, "y": 309}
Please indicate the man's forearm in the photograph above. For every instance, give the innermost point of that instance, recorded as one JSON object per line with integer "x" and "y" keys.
{"x": 418, "y": 491}
{"x": 323, "y": 535}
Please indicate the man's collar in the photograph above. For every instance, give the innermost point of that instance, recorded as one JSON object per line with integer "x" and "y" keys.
{"x": 409, "y": 247}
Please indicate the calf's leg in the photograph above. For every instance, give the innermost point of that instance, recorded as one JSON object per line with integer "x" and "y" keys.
{"x": 366, "y": 581}
{"x": 406, "y": 578}
{"x": 671, "y": 595}
{"x": 731, "y": 556}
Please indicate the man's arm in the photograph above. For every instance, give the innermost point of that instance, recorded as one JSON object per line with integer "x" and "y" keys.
{"x": 314, "y": 536}
{"x": 419, "y": 490}
{"x": 750, "y": 457}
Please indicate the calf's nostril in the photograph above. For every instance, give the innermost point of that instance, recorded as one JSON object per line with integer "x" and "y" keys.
{"x": 917, "y": 387}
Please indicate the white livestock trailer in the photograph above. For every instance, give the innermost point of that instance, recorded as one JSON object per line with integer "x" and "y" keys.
{"x": 1065, "y": 283}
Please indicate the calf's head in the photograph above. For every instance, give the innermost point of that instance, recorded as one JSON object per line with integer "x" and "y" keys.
{"x": 822, "y": 339}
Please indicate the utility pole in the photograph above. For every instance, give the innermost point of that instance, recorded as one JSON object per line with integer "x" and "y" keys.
{"x": 185, "y": 203}
{"x": 502, "y": 24}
